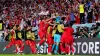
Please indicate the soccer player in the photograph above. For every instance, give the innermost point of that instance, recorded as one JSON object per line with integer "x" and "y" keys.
{"x": 30, "y": 40}
{"x": 43, "y": 26}
{"x": 41, "y": 33}
{"x": 57, "y": 37}
{"x": 70, "y": 39}
{"x": 49, "y": 39}
{"x": 63, "y": 41}
{"x": 19, "y": 43}
{"x": 11, "y": 38}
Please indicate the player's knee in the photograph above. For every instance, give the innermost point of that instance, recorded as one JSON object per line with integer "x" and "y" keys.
{"x": 57, "y": 43}
{"x": 43, "y": 38}
{"x": 17, "y": 45}
{"x": 8, "y": 46}
{"x": 54, "y": 42}
{"x": 22, "y": 44}
{"x": 50, "y": 45}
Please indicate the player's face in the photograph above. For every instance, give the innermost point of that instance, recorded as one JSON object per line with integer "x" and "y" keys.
{"x": 19, "y": 28}
{"x": 53, "y": 21}
{"x": 14, "y": 27}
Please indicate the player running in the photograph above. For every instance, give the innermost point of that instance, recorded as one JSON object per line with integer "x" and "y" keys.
{"x": 11, "y": 38}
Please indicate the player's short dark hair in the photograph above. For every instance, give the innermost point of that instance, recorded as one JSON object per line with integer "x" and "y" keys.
{"x": 71, "y": 24}
{"x": 53, "y": 19}
{"x": 41, "y": 18}
{"x": 82, "y": 2}
{"x": 13, "y": 26}
{"x": 17, "y": 26}
{"x": 65, "y": 25}
{"x": 63, "y": 18}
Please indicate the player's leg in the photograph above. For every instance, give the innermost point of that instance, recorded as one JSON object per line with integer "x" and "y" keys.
{"x": 33, "y": 47}
{"x": 22, "y": 46}
{"x": 71, "y": 47}
{"x": 27, "y": 42}
{"x": 54, "y": 43}
{"x": 30, "y": 44}
{"x": 17, "y": 49}
{"x": 40, "y": 43}
{"x": 62, "y": 45}
{"x": 42, "y": 40}
{"x": 17, "y": 44}
{"x": 8, "y": 46}
{"x": 66, "y": 45}
{"x": 50, "y": 42}
{"x": 67, "y": 48}
{"x": 12, "y": 42}
{"x": 57, "y": 43}
{"x": 50, "y": 49}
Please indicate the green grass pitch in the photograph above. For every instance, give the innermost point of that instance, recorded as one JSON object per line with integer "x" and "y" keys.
{"x": 40, "y": 55}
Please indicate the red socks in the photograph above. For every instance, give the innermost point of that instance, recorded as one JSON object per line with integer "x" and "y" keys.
{"x": 41, "y": 41}
{"x": 49, "y": 48}
{"x": 62, "y": 48}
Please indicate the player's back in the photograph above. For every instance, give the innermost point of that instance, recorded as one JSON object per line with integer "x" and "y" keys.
{"x": 45, "y": 28}
{"x": 18, "y": 35}
{"x": 70, "y": 31}
{"x": 41, "y": 25}
{"x": 65, "y": 31}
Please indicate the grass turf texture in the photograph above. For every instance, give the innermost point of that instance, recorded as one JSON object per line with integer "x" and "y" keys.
{"x": 40, "y": 55}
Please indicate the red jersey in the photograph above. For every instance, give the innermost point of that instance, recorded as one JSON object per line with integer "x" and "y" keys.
{"x": 64, "y": 36}
{"x": 67, "y": 36}
{"x": 49, "y": 35}
{"x": 41, "y": 28}
{"x": 70, "y": 32}
{"x": 41, "y": 25}
{"x": 13, "y": 33}
{"x": 13, "y": 36}
{"x": 65, "y": 32}
{"x": 45, "y": 28}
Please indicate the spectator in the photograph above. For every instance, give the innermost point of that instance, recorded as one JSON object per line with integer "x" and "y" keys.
{"x": 26, "y": 13}
{"x": 81, "y": 10}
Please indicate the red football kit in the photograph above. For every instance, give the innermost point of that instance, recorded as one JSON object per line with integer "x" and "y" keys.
{"x": 49, "y": 39}
{"x": 70, "y": 39}
{"x": 12, "y": 39}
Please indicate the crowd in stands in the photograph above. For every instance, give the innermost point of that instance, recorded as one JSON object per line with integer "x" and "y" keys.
{"x": 29, "y": 12}
{"x": 88, "y": 32}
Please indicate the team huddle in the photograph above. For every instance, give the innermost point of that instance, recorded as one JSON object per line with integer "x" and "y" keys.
{"x": 53, "y": 33}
